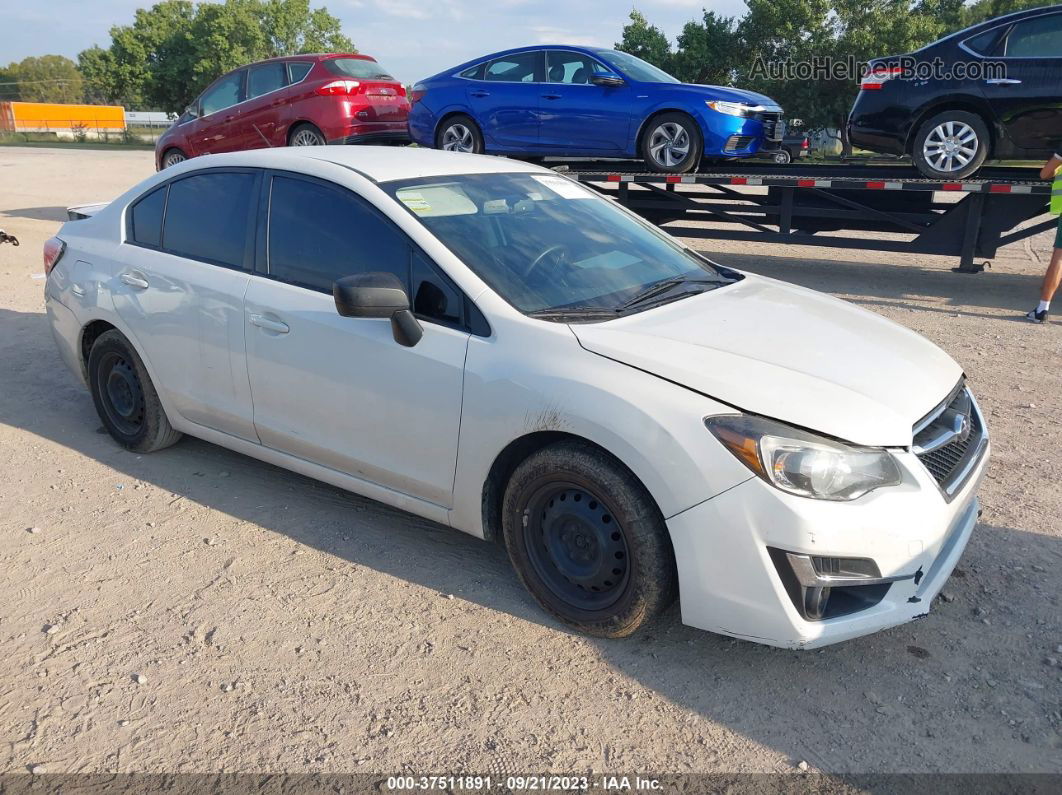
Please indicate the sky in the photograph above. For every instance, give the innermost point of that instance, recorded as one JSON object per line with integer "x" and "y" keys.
{"x": 412, "y": 38}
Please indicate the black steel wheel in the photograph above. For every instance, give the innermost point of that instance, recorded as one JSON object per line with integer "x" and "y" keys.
{"x": 125, "y": 398}
{"x": 576, "y": 546}
{"x": 587, "y": 540}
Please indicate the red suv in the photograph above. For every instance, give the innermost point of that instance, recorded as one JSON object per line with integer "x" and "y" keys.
{"x": 301, "y": 100}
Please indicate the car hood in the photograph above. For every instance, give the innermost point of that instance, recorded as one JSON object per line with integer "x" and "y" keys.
{"x": 791, "y": 354}
{"x": 723, "y": 93}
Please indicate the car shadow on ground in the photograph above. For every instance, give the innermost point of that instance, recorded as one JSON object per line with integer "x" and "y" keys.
{"x": 891, "y": 701}
{"x": 37, "y": 213}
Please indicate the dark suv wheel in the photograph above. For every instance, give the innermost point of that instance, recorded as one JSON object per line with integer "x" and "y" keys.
{"x": 950, "y": 145}
{"x": 587, "y": 540}
{"x": 125, "y": 398}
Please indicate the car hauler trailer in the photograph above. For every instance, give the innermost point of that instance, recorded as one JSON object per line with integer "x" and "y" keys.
{"x": 809, "y": 205}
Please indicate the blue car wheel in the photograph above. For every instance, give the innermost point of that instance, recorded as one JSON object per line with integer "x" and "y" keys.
{"x": 671, "y": 144}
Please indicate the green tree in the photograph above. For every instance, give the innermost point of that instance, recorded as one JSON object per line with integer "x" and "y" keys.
{"x": 9, "y": 82}
{"x": 645, "y": 41}
{"x": 176, "y": 48}
{"x": 987, "y": 9}
{"x": 45, "y": 78}
{"x": 706, "y": 50}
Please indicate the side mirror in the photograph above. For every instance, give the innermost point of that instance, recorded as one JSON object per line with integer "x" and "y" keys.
{"x": 606, "y": 79}
{"x": 378, "y": 295}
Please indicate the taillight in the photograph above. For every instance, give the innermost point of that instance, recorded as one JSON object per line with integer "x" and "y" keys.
{"x": 416, "y": 94}
{"x": 878, "y": 76}
{"x": 338, "y": 87}
{"x": 805, "y": 144}
{"x": 53, "y": 251}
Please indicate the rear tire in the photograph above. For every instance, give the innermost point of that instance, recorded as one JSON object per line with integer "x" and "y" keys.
{"x": 950, "y": 145}
{"x": 782, "y": 157}
{"x": 306, "y": 135}
{"x": 671, "y": 144}
{"x": 459, "y": 134}
{"x": 125, "y": 398}
{"x": 587, "y": 540}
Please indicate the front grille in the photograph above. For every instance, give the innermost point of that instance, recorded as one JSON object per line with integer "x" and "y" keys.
{"x": 736, "y": 143}
{"x": 773, "y": 126}
{"x": 950, "y": 439}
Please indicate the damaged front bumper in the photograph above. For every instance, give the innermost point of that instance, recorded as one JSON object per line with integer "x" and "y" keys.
{"x": 766, "y": 566}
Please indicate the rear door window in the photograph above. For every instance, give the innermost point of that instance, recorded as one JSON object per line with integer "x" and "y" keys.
{"x": 145, "y": 225}
{"x": 266, "y": 78}
{"x": 523, "y": 67}
{"x": 1036, "y": 38}
{"x": 224, "y": 94}
{"x": 297, "y": 70}
{"x": 208, "y": 217}
{"x": 319, "y": 233}
{"x": 474, "y": 72}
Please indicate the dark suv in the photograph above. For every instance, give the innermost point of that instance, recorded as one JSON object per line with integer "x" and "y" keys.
{"x": 991, "y": 91}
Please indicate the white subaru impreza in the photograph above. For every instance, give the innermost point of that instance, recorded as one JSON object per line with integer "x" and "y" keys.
{"x": 490, "y": 345}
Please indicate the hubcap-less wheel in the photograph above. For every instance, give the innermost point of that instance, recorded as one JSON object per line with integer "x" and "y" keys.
{"x": 458, "y": 138}
{"x": 173, "y": 158}
{"x": 577, "y": 547}
{"x": 123, "y": 397}
{"x": 950, "y": 146}
{"x": 669, "y": 144}
{"x": 306, "y": 137}
{"x": 782, "y": 158}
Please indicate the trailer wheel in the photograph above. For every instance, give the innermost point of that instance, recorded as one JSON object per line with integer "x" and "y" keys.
{"x": 950, "y": 145}
{"x": 671, "y": 144}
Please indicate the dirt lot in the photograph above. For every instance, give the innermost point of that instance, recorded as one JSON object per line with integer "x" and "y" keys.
{"x": 195, "y": 610}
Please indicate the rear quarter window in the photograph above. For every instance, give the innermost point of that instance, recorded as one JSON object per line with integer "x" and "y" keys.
{"x": 207, "y": 217}
{"x": 145, "y": 218}
{"x": 297, "y": 70}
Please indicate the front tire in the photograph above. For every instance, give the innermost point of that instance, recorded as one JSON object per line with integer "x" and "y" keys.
{"x": 172, "y": 157}
{"x": 125, "y": 398}
{"x": 671, "y": 144}
{"x": 459, "y": 134}
{"x": 950, "y": 145}
{"x": 587, "y": 540}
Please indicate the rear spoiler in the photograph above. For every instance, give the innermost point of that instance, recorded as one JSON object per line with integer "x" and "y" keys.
{"x": 84, "y": 210}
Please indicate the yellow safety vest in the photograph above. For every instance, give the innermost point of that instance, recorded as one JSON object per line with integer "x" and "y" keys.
{"x": 1056, "y": 193}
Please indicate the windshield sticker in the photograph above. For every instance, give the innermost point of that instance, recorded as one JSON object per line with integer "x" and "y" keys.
{"x": 563, "y": 186}
{"x": 437, "y": 200}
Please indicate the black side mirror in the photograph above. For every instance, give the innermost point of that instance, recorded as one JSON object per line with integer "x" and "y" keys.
{"x": 378, "y": 295}
{"x": 606, "y": 79}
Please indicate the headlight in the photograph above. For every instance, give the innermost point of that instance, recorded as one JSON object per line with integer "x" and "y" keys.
{"x": 732, "y": 108}
{"x": 803, "y": 463}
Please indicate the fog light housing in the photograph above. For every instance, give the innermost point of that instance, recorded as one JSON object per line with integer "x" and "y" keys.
{"x": 823, "y": 587}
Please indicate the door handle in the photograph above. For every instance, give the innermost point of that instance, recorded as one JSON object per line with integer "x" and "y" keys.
{"x": 134, "y": 279}
{"x": 77, "y": 290}
{"x": 1003, "y": 81}
{"x": 481, "y": 93}
{"x": 551, "y": 96}
{"x": 269, "y": 325}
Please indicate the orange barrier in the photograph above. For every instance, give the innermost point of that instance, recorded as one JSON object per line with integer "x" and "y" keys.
{"x": 48, "y": 116}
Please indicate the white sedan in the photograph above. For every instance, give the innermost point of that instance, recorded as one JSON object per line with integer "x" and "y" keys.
{"x": 490, "y": 345}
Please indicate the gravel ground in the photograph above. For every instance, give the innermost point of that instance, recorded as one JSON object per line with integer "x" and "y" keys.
{"x": 195, "y": 610}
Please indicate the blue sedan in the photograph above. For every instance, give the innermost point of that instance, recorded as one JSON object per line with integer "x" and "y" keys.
{"x": 586, "y": 102}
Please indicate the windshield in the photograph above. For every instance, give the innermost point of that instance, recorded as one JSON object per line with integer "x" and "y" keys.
{"x": 544, "y": 242}
{"x": 357, "y": 67}
{"x": 635, "y": 68}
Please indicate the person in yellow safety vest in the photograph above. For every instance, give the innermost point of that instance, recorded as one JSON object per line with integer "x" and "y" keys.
{"x": 1051, "y": 170}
